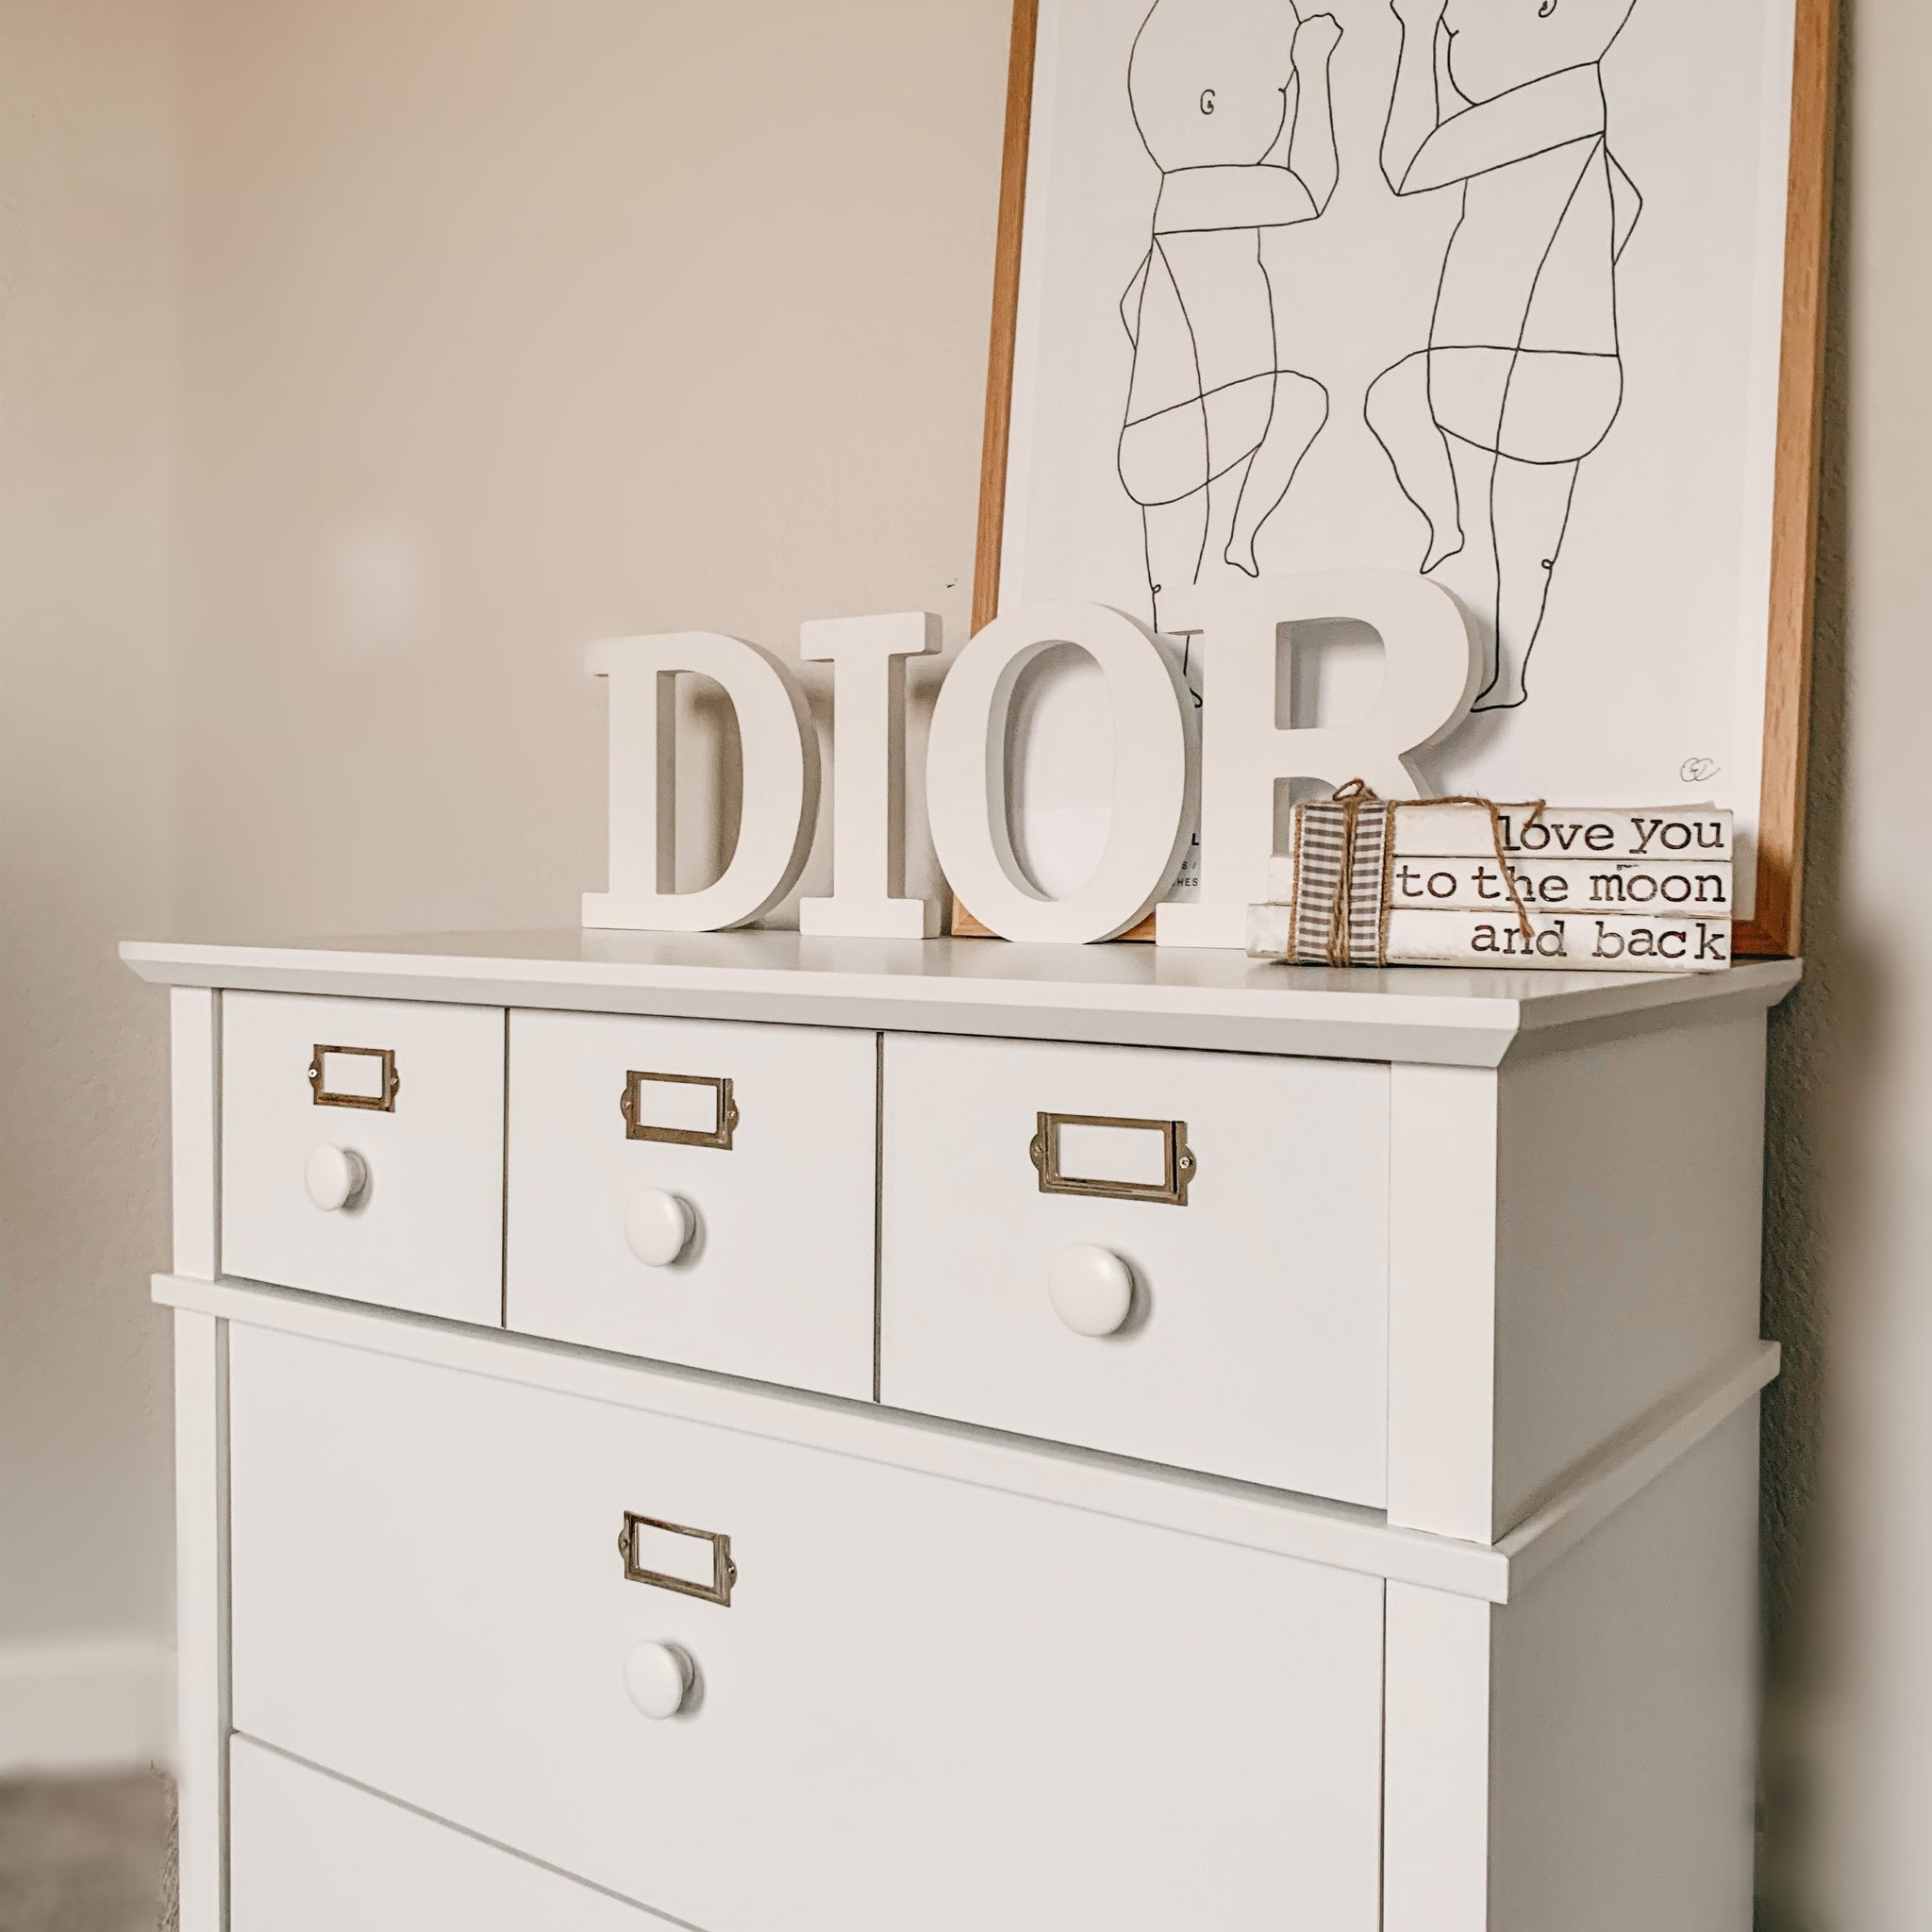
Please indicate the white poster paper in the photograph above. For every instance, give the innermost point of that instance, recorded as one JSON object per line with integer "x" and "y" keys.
{"x": 1492, "y": 290}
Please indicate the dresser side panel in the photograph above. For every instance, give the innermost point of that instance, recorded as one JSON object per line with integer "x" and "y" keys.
{"x": 1621, "y": 1771}
{"x": 1630, "y": 1203}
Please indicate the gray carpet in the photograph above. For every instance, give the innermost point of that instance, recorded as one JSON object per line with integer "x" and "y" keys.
{"x": 84, "y": 1854}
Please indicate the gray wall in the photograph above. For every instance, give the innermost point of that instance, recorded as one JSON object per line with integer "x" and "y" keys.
{"x": 1848, "y": 1433}
{"x": 88, "y": 401}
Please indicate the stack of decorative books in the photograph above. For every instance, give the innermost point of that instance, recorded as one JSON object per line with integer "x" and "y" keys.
{"x": 1464, "y": 882}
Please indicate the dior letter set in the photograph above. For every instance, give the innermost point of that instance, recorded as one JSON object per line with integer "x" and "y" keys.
{"x": 1163, "y": 774}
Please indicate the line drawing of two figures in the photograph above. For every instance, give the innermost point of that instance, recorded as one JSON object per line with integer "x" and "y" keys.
{"x": 1488, "y": 423}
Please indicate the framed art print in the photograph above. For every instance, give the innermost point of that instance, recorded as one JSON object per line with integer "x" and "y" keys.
{"x": 1522, "y": 294}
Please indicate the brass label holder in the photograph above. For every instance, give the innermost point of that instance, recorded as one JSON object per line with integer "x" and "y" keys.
{"x": 724, "y": 1570}
{"x": 1178, "y": 1165}
{"x": 388, "y": 1082}
{"x": 636, "y": 1128}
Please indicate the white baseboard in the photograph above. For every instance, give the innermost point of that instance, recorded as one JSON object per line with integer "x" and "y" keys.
{"x": 97, "y": 1703}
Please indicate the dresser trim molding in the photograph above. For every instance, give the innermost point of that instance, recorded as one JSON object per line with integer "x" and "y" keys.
{"x": 1119, "y": 995}
{"x": 1308, "y": 1528}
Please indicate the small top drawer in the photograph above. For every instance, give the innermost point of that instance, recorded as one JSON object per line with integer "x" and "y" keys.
{"x": 696, "y": 1192}
{"x": 362, "y": 1150}
{"x": 1181, "y": 1257}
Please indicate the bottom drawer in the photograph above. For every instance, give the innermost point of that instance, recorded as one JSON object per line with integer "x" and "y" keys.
{"x": 926, "y": 1704}
{"x": 310, "y": 1854}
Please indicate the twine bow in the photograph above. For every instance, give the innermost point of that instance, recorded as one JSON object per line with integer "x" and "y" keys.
{"x": 1352, "y": 797}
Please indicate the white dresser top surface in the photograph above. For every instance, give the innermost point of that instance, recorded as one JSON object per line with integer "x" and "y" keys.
{"x": 1127, "y": 994}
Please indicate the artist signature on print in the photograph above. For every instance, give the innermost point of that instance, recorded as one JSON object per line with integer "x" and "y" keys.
{"x": 1699, "y": 771}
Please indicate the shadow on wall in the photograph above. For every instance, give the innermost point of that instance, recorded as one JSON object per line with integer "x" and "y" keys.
{"x": 1824, "y": 1057}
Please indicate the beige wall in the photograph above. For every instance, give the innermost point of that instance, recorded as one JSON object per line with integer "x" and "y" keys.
{"x": 511, "y": 326}
{"x": 87, "y": 397}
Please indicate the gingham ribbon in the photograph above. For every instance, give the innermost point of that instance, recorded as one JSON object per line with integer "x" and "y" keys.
{"x": 1343, "y": 849}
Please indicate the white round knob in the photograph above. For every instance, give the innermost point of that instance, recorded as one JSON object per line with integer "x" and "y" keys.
{"x": 657, "y": 1227}
{"x": 657, "y": 1677}
{"x": 334, "y": 1176}
{"x": 1092, "y": 1289}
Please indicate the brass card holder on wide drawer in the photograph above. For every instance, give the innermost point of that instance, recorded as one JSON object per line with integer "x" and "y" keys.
{"x": 724, "y": 1570}
{"x": 636, "y": 1128}
{"x": 1177, "y": 1161}
{"x": 388, "y": 1082}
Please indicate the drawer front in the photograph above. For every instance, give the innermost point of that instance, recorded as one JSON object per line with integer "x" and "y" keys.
{"x": 926, "y": 1704}
{"x": 1207, "y": 1285}
{"x": 362, "y": 1150}
{"x": 310, "y": 1854}
{"x": 698, "y": 1192}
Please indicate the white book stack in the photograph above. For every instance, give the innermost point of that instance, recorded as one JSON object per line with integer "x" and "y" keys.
{"x": 1617, "y": 889}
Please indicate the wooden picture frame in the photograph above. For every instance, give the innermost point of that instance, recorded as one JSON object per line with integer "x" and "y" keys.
{"x": 1775, "y": 927}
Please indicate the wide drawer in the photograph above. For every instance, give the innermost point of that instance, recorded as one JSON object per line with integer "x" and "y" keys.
{"x": 697, "y": 1192}
{"x": 310, "y": 1854}
{"x": 1181, "y": 1257}
{"x": 926, "y": 1704}
{"x": 362, "y": 1150}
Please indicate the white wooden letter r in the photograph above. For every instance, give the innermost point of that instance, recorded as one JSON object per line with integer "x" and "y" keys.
{"x": 1428, "y": 678}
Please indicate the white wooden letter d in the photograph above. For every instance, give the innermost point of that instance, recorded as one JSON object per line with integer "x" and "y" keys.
{"x": 781, "y": 783}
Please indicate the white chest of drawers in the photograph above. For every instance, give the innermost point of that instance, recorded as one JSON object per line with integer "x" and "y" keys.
{"x": 762, "y": 1433}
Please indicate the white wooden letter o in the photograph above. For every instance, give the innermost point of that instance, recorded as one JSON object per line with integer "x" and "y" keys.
{"x": 780, "y": 804}
{"x": 1153, "y": 775}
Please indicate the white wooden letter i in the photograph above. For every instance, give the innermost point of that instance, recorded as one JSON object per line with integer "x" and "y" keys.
{"x": 868, "y": 658}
